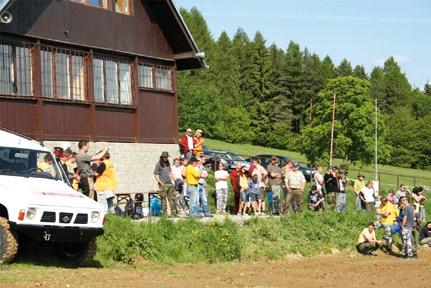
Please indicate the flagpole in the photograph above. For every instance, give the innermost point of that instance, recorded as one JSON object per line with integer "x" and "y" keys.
{"x": 332, "y": 133}
{"x": 375, "y": 152}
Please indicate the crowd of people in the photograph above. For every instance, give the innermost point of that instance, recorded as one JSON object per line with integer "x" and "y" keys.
{"x": 94, "y": 176}
{"x": 401, "y": 213}
{"x": 183, "y": 188}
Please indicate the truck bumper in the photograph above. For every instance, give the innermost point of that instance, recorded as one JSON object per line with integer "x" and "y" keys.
{"x": 47, "y": 233}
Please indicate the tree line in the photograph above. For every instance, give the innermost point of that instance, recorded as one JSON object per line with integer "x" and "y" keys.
{"x": 252, "y": 92}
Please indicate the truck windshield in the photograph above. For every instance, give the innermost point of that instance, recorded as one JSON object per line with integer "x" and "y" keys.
{"x": 28, "y": 163}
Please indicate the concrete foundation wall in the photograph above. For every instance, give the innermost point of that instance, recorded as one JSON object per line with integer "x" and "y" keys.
{"x": 134, "y": 162}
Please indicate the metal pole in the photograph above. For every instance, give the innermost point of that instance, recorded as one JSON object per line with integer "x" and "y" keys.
{"x": 332, "y": 133}
{"x": 375, "y": 152}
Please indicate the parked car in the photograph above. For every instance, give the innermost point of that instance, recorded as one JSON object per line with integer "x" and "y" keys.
{"x": 265, "y": 160}
{"x": 219, "y": 156}
{"x": 207, "y": 151}
{"x": 307, "y": 170}
{"x": 237, "y": 159}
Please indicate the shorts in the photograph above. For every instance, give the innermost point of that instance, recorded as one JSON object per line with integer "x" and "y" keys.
{"x": 244, "y": 195}
{"x": 261, "y": 195}
{"x": 254, "y": 197}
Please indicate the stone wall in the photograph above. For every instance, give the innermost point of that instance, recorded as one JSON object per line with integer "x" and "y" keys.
{"x": 134, "y": 162}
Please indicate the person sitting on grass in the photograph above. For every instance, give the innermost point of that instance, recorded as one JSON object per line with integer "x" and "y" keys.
{"x": 425, "y": 235}
{"x": 315, "y": 199}
{"x": 367, "y": 241}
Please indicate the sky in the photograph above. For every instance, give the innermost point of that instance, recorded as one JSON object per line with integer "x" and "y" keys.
{"x": 365, "y": 32}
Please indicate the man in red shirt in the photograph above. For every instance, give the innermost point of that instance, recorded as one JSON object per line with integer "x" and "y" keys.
{"x": 234, "y": 180}
{"x": 187, "y": 144}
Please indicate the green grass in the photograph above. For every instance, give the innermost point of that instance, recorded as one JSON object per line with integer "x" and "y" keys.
{"x": 390, "y": 176}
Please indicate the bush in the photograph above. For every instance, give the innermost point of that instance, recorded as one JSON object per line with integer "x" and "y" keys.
{"x": 187, "y": 241}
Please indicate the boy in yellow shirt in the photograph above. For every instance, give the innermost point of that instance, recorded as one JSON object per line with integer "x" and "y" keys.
{"x": 388, "y": 214}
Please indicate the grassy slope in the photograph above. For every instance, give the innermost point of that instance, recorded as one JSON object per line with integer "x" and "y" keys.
{"x": 387, "y": 180}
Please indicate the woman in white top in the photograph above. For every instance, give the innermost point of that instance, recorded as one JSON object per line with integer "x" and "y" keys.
{"x": 369, "y": 195}
{"x": 221, "y": 176}
{"x": 318, "y": 178}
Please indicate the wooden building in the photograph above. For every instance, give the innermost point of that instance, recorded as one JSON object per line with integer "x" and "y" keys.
{"x": 101, "y": 70}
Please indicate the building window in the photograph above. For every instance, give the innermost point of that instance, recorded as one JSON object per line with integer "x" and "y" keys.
{"x": 63, "y": 74}
{"x": 163, "y": 78}
{"x": 15, "y": 70}
{"x": 112, "y": 81}
{"x": 145, "y": 76}
{"x": 96, "y": 3}
{"x": 122, "y": 6}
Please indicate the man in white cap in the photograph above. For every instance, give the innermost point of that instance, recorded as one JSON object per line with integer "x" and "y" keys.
{"x": 187, "y": 144}
{"x": 295, "y": 182}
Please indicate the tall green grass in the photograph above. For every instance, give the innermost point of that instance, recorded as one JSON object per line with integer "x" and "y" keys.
{"x": 186, "y": 241}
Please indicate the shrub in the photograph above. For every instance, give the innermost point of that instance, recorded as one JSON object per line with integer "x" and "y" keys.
{"x": 187, "y": 241}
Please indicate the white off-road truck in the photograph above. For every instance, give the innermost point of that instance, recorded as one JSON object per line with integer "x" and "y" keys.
{"x": 38, "y": 205}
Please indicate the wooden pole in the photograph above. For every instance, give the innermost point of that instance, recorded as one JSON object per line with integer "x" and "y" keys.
{"x": 332, "y": 133}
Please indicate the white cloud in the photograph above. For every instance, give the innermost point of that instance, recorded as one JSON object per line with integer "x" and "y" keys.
{"x": 400, "y": 59}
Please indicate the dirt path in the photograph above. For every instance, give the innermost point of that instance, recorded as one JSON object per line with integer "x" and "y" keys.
{"x": 324, "y": 271}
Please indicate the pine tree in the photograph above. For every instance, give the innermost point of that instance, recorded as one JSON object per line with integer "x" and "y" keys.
{"x": 314, "y": 81}
{"x": 225, "y": 71}
{"x": 328, "y": 68}
{"x": 293, "y": 83}
{"x": 344, "y": 69}
{"x": 259, "y": 76}
{"x": 279, "y": 135}
{"x": 359, "y": 72}
{"x": 378, "y": 89}
{"x": 241, "y": 50}
{"x": 427, "y": 89}
{"x": 390, "y": 86}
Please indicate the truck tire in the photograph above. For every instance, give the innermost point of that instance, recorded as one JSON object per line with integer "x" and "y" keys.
{"x": 78, "y": 254}
{"x": 8, "y": 242}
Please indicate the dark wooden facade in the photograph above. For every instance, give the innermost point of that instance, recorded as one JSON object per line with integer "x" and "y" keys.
{"x": 152, "y": 37}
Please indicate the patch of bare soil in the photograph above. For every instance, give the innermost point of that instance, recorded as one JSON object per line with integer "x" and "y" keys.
{"x": 323, "y": 271}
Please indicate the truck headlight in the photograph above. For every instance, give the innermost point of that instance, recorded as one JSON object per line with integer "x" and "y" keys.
{"x": 31, "y": 213}
{"x": 95, "y": 217}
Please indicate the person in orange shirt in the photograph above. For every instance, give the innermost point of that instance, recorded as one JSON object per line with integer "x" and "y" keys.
{"x": 198, "y": 141}
{"x": 106, "y": 183}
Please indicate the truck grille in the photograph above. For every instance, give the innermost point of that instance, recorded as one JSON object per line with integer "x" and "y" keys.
{"x": 81, "y": 219}
{"x": 65, "y": 217}
{"x": 48, "y": 217}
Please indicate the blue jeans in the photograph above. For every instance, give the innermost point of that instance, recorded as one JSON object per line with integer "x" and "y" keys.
{"x": 193, "y": 193}
{"x": 341, "y": 202}
{"x": 203, "y": 200}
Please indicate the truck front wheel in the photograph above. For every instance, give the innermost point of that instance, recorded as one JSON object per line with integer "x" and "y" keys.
{"x": 78, "y": 254}
{"x": 8, "y": 242}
